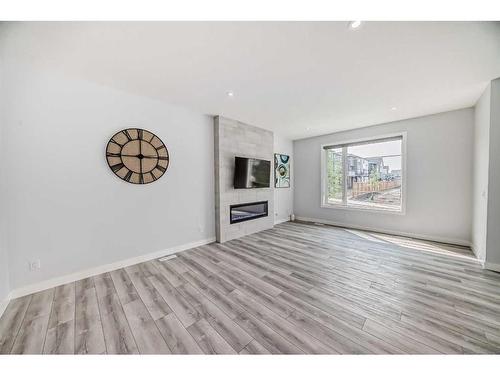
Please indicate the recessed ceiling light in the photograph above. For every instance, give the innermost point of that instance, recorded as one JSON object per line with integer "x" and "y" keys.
{"x": 393, "y": 108}
{"x": 308, "y": 128}
{"x": 230, "y": 94}
{"x": 354, "y": 24}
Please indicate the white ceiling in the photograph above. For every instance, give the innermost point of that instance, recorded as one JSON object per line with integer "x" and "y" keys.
{"x": 299, "y": 79}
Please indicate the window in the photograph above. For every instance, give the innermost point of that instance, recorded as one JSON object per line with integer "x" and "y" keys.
{"x": 365, "y": 174}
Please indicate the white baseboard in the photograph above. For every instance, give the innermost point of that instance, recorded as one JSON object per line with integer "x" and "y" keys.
{"x": 279, "y": 221}
{"x": 479, "y": 255}
{"x": 452, "y": 241}
{"x": 51, "y": 283}
{"x": 491, "y": 266}
{"x": 486, "y": 265}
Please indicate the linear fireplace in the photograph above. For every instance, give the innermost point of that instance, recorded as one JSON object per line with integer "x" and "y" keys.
{"x": 247, "y": 211}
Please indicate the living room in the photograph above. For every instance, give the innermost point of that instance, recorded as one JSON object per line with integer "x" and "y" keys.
{"x": 249, "y": 187}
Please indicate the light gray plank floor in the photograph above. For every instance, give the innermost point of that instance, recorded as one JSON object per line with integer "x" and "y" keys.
{"x": 295, "y": 289}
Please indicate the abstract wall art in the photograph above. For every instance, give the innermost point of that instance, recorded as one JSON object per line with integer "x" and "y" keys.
{"x": 281, "y": 171}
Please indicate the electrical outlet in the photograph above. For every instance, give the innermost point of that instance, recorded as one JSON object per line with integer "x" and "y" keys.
{"x": 34, "y": 265}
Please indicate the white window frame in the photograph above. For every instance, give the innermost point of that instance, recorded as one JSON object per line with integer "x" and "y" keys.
{"x": 345, "y": 143}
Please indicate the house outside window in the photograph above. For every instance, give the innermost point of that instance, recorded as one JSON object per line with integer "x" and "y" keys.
{"x": 365, "y": 174}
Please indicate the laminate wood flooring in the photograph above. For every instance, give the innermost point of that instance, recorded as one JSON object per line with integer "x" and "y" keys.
{"x": 295, "y": 289}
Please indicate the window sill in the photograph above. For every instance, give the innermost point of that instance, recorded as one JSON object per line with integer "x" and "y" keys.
{"x": 400, "y": 212}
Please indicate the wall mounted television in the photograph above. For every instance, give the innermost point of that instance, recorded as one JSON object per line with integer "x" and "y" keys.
{"x": 251, "y": 173}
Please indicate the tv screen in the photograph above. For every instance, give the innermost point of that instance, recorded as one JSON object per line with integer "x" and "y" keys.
{"x": 251, "y": 173}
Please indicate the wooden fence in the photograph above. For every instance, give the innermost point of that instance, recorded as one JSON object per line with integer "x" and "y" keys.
{"x": 359, "y": 188}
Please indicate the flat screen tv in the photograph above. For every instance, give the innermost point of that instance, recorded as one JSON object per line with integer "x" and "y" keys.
{"x": 251, "y": 173}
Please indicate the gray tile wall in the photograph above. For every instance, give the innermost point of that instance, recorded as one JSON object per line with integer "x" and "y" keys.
{"x": 234, "y": 138}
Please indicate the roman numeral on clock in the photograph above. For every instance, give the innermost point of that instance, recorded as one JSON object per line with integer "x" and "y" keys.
{"x": 127, "y": 135}
{"x": 115, "y": 168}
{"x": 128, "y": 176}
{"x": 115, "y": 142}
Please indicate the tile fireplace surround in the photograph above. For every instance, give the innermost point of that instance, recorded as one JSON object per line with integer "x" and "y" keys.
{"x": 233, "y": 138}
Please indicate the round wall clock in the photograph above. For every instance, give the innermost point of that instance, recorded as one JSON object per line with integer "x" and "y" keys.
{"x": 137, "y": 156}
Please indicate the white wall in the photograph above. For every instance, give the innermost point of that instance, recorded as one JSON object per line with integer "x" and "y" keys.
{"x": 439, "y": 178}
{"x": 493, "y": 234}
{"x": 65, "y": 206}
{"x": 4, "y": 260}
{"x": 480, "y": 174}
{"x": 283, "y": 197}
{"x": 4, "y": 278}
{"x": 486, "y": 220}
{"x": 4, "y": 269}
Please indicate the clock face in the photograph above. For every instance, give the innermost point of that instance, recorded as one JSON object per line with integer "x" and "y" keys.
{"x": 137, "y": 156}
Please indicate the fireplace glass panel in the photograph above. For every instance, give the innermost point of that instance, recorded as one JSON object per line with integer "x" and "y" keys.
{"x": 248, "y": 211}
